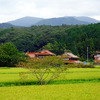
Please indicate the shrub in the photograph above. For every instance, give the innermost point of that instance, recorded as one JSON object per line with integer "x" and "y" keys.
{"x": 44, "y": 69}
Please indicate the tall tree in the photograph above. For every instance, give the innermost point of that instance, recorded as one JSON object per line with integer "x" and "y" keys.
{"x": 9, "y": 54}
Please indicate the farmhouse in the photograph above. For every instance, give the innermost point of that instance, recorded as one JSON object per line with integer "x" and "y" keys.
{"x": 40, "y": 54}
{"x": 97, "y": 57}
{"x": 68, "y": 57}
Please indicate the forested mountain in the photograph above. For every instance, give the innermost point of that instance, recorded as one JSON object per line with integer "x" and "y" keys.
{"x": 29, "y": 21}
{"x": 60, "y": 21}
{"x": 68, "y": 20}
{"x": 87, "y": 19}
{"x": 55, "y": 38}
{"x": 6, "y": 25}
{"x": 25, "y": 21}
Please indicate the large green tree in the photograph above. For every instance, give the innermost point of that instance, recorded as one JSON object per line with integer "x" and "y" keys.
{"x": 9, "y": 54}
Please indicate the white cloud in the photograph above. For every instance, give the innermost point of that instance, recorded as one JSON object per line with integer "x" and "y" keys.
{"x": 14, "y": 9}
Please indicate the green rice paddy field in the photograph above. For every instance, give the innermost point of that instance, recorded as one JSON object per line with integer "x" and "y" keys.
{"x": 74, "y": 84}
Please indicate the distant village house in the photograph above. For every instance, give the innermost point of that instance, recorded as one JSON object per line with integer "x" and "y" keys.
{"x": 68, "y": 57}
{"x": 97, "y": 57}
{"x": 40, "y": 54}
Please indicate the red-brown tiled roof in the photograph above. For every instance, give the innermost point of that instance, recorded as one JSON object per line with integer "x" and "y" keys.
{"x": 40, "y": 53}
{"x": 30, "y": 54}
{"x": 70, "y": 55}
{"x": 46, "y": 51}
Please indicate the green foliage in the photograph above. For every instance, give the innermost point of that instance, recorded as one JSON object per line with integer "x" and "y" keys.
{"x": 56, "y": 47}
{"x": 9, "y": 54}
{"x": 45, "y": 69}
{"x": 55, "y": 38}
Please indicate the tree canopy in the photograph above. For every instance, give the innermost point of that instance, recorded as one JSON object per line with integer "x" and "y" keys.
{"x": 44, "y": 69}
{"x": 9, "y": 55}
{"x": 55, "y": 38}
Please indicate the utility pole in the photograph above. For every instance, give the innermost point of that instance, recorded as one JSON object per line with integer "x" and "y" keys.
{"x": 87, "y": 54}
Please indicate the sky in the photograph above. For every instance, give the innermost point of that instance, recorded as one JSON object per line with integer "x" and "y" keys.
{"x": 14, "y": 9}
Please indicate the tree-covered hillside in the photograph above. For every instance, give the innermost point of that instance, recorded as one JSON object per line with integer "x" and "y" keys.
{"x": 55, "y": 38}
{"x": 6, "y": 25}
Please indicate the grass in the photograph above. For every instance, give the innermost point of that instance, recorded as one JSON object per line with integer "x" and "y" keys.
{"x": 7, "y": 70}
{"x": 74, "y": 84}
{"x": 82, "y": 91}
{"x": 10, "y": 76}
{"x": 97, "y": 66}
